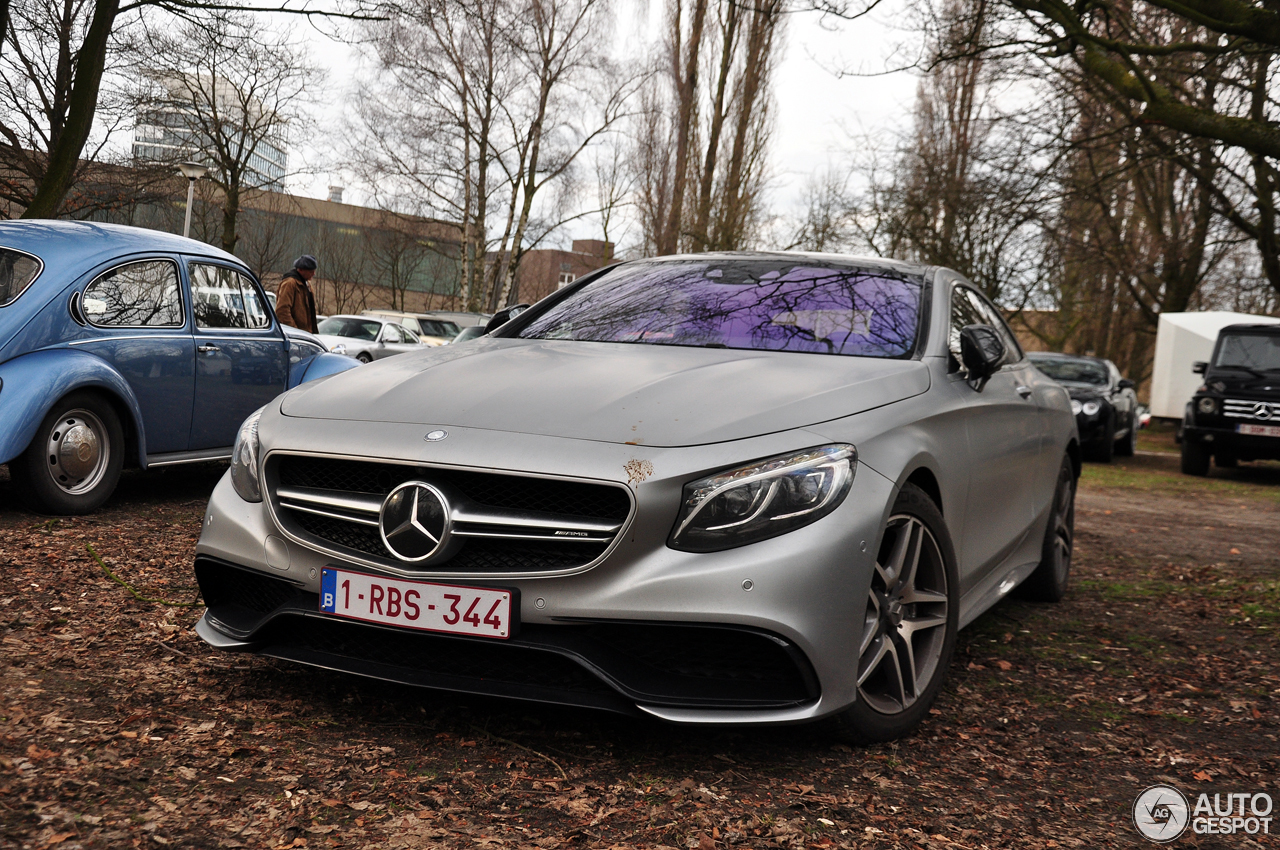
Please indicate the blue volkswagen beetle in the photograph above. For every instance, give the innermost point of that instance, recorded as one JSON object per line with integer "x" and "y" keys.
{"x": 122, "y": 346}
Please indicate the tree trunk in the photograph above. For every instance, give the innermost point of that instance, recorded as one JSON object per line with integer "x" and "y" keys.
{"x": 686, "y": 76}
{"x": 64, "y": 154}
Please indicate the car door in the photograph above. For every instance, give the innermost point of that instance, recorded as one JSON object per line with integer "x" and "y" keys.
{"x": 1004, "y": 446}
{"x": 138, "y": 308}
{"x": 394, "y": 340}
{"x": 241, "y": 355}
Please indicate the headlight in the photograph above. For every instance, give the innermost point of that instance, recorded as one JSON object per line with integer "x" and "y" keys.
{"x": 764, "y": 499}
{"x": 1207, "y": 405}
{"x": 340, "y": 348}
{"x": 244, "y": 459}
{"x": 1091, "y": 407}
{"x": 1075, "y": 406}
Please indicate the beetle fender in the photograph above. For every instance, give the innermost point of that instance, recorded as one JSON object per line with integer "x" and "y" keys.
{"x": 320, "y": 366}
{"x": 32, "y": 383}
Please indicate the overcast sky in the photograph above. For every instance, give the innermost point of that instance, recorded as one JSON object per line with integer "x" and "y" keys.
{"x": 816, "y": 110}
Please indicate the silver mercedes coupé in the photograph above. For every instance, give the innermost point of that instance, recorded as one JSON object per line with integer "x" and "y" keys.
{"x": 723, "y": 488}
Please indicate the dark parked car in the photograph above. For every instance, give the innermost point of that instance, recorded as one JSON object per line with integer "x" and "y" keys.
{"x": 1235, "y": 415}
{"x": 122, "y": 346}
{"x": 1105, "y": 404}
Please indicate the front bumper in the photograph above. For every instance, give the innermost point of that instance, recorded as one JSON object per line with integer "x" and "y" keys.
{"x": 647, "y": 629}
{"x": 1230, "y": 441}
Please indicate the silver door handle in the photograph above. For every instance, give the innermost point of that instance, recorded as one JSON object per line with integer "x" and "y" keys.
{"x": 207, "y": 349}
{"x": 1025, "y": 392}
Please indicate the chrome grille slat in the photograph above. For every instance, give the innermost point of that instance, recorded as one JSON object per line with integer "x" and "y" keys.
{"x": 1238, "y": 408}
{"x": 487, "y": 510}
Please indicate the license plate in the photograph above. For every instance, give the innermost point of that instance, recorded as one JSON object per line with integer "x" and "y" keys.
{"x": 1259, "y": 430}
{"x": 459, "y": 610}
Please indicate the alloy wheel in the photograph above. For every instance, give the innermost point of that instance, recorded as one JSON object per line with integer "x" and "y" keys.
{"x": 905, "y": 625}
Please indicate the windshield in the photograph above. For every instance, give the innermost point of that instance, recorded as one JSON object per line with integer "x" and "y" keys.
{"x": 17, "y": 271}
{"x": 770, "y": 305}
{"x": 1256, "y": 352}
{"x": 1072, "y": 371}
{"x": 366, "y": 329}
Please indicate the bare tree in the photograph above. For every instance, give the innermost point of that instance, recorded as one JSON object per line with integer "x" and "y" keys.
{"x": 224, "y": 93}
{"x": 702, "y": 134}
{"x": 493, "y": 103}
{"x": 38, "y": 73}
{"x": 76, "y": 68}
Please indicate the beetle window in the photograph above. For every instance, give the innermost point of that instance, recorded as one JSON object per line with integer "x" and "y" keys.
{"x": 225, "y": 298}
{"x": 137, "y": 295}
{"x": 17, "y": 271}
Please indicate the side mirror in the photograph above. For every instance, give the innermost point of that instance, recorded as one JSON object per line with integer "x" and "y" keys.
{"x": 981, "y": 351}
{"x": 1126, "y": 384}
{"x": 1199, "y": 367}
{"x": 503, "y": 316}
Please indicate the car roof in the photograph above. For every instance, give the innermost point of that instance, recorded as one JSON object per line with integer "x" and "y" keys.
{"x": 1063, "y": 356}
{"x": 1252, "y": 328}
{"x": 852, "y": 260}
{"x": 74, "y": 246}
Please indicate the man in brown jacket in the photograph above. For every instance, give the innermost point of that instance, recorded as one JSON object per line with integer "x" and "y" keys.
{"x": 295, "y": 302}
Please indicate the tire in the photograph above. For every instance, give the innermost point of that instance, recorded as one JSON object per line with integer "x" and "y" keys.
{"x": 1195, "y": 458}
{"x": 1048, "y": 583}
{"x": 1126, "y": 445}
{"x": 364, "y": 357}
{"x": 913, "y": 600}
{"x": 73, "y": 463}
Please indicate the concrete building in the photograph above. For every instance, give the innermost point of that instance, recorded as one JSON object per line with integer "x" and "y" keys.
{"x": 166, "y": 132}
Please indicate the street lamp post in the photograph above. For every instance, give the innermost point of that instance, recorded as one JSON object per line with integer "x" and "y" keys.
{"x": 193, "y": 171}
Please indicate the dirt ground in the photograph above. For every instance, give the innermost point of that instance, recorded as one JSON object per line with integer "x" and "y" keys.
{"x": 119, "y": 728}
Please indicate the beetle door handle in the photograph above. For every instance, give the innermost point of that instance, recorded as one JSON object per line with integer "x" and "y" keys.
{"x": 1025, "y": 392}
{"x": 207, "y": 349}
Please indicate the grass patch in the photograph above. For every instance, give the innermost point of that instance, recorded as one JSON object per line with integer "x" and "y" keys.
{"x": 1125, "y": 477}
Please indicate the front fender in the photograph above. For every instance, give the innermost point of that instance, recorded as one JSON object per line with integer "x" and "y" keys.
{"x": 31, "y": 384}
{"x": 320, "y": 366}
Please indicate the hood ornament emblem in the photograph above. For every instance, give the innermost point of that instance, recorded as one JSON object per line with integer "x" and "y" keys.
{"x": 436, "y": 436}
{"x": 1262, "y": 411}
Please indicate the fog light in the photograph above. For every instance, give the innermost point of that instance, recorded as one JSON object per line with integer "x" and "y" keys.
{"x": 1207, "y": 405}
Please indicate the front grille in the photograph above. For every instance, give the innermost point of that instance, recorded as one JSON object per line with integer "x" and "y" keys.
{"x": 1260, "y": 411}
{"x": 507, "y": 524}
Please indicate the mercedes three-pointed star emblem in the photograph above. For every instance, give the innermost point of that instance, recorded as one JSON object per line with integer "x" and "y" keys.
{"x": 414, "y": 521}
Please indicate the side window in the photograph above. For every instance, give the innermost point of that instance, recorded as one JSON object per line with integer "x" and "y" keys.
{"x": 225, "y": 298}
{"x": 962, "y": 315}
{"x": 137, "y": 295}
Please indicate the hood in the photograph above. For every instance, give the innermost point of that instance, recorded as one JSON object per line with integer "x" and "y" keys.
{"x": 330, "y": 340}
{"x": 641, "y": 394}
{"x": 1264, "y": 385}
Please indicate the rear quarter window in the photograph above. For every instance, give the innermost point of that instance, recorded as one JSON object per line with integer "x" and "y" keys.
{"x": 17, "y": 272}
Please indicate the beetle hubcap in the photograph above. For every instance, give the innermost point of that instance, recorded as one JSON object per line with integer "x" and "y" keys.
{"x": 905, "y": 625}
{"x": 78, "y": 451}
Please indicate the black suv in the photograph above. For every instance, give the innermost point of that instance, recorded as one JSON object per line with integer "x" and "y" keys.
{"x": 1235, "y": 415}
